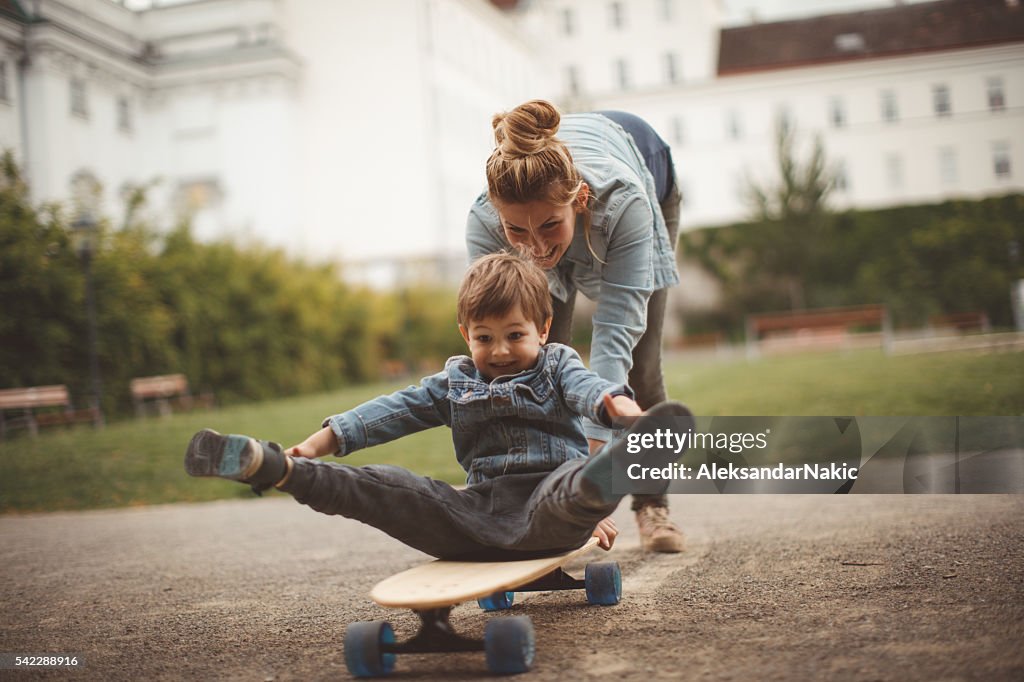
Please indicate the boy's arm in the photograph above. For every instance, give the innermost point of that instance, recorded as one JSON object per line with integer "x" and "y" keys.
{"x": 588, "y": 394}
{"x": 380, "y": 420}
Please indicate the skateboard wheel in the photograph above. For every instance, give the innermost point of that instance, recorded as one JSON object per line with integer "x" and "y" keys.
{"x": 509, "y": 645}
{"x": 363, "y": 644}
{"x": 499, "y": 601}
{"x": 604, "y": 583}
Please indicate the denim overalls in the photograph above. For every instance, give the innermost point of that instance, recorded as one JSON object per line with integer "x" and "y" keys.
{"x": 520, "y": 439}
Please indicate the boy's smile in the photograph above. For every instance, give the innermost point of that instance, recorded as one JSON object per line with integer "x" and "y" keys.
{"x": 504, "y": 344}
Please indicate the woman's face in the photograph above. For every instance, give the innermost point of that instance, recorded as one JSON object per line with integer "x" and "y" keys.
{"x": 542, "y": 231}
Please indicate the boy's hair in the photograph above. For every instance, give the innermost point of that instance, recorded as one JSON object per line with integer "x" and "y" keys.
{"x": 496, "y": 283}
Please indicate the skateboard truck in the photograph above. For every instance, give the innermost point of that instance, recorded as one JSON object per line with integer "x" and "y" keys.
{"x": 436, "y": 634}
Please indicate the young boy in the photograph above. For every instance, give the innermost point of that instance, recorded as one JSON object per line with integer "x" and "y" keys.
{"x": 515, "y": 408}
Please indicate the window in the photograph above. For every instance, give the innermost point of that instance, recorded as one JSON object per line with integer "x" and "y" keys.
{"x": 79, "y": 102}
{"x": 572, "y": 80}
{"x": 849, "y": 42}
{"x": 616, "y": 15}
{"x": 840, "y": 177}
{"x": 622, "y": 74}
{"x": 86, "y": 192}
{"x": 733, "y": 125}
{"x": 4, "y": 96}
{"x": 837, "y": 112}
{"x": 124, "y": 115}
{"x": 894, "y": 171}
{"x": 947, "y": 165}
{"x": 940, "y": 101}
{"x": 1001, "y": 160}
{"x": 568, "y": 21}
{"x": 667, "y": 8}
{"x": 996, "y": 95}
{"x": 671, "y": 68}
{"x": 784, "y": 119}
{"x": 890, "y": 106}
{"x": 196, "y": 195}
{"x": 678, "y": 131}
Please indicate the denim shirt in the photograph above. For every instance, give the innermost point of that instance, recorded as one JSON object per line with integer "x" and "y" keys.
{"x": 627, "y": 233}
{"x": 520, "y": 423}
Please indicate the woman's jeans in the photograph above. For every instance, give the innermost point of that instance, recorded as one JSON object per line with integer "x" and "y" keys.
{"x": 646, "y": 377}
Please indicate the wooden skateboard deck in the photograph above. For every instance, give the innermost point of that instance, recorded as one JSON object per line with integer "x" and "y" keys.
{"x": 446, "y": 583}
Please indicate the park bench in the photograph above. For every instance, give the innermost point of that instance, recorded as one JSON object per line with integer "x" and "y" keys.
{"x": 961, "y": 322}
{"x": 164, "y": 390}
{"x": 40, "y": 406}
{"x": 700, "y": 341}
{"x": 818, "y": 329}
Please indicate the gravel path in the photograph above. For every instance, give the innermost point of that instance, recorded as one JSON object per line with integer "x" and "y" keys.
{"x": 858, "y": 587}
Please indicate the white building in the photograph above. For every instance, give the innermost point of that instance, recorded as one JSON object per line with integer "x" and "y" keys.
{"x": 914, "y": 103}
{"x": 358, "y": 131}
{"x": 352, "y": 131}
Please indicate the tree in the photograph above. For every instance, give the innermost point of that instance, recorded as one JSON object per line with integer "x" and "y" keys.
{"x": 796, "y": 224}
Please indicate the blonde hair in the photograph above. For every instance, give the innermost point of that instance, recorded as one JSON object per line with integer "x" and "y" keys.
{"x": 497, "y": 283}
{"x": 529, "y": 163}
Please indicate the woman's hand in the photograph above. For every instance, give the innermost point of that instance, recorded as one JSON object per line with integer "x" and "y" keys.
{"x": 319, "y": 444}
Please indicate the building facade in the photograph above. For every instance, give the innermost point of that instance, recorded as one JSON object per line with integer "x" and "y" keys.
{"x": 914, "y": 103}
{"x": 357, "y": 131}
{"x": 352, "y": 132}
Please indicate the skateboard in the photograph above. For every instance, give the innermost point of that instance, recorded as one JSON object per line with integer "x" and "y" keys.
{"x": 432, "y": 589}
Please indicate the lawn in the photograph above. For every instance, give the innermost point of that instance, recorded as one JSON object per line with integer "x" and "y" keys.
{"x": 139, "y": 462}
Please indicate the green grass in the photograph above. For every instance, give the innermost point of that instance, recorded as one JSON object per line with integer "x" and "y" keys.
{"x": 139, "y": 462}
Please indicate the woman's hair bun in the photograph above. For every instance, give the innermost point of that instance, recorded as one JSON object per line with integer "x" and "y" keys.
{"x": 527, "y": 129}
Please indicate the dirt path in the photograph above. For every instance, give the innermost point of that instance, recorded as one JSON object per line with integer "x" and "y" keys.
{"x": 772, "y": 587}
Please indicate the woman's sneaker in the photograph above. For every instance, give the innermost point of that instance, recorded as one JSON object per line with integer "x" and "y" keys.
{"x": 657, "y": 532}
{"x": 239, "y": 458}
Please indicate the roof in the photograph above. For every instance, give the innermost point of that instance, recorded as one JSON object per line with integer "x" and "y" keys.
{"x": 891, "y": 31}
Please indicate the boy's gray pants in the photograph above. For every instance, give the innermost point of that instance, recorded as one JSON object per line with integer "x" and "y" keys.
{"x": 512, "y": 516}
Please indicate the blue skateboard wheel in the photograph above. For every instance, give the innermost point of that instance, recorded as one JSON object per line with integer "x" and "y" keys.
{"x": 604, "y": 583}
{"x": 499, "y": 601}
{"x": 509, "y": 645}
{"x": 363, "y": 643}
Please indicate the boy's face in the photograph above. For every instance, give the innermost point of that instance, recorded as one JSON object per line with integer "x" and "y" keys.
{"x": 504, "y": 344}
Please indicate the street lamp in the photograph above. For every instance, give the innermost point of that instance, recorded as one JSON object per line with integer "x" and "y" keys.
{"x": 83, "y": 236}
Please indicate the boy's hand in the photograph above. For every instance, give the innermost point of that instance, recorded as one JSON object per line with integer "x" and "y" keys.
{"x": 606, "y": 532}
{"x": 320, "y": 444}
{"x": 622, "y": 410}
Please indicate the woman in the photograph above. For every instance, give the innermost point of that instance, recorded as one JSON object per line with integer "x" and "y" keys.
{"x": 592, "y": 199}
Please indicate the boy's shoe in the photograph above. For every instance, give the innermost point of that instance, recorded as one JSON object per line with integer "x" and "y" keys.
{"x": 239, "y": 458}
{"x": 657, "y": 532}
{"x": 610, "y": 463}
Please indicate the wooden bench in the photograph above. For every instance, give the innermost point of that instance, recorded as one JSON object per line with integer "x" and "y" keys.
{"x": 28, "y": 400}
{"x": 961, "y": 322}
{"x": 819, "y": 329}
{"x": 161, "y": 391}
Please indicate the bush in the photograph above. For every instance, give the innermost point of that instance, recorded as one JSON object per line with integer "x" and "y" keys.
{"x": 246, "y": 323}
{"x": 958, "y": 256}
